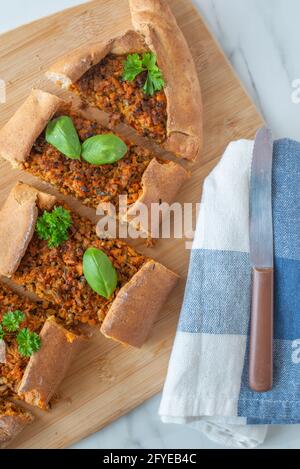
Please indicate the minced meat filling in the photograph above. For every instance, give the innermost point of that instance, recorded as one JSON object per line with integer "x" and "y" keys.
{"x": 103, "y": 87}
{"x": 12, "y": 371}
{"x": 89, "y": 183}
{"x": 56, "y": 274}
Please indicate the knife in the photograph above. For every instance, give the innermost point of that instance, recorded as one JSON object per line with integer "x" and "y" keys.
{"x": 262, "y": 260}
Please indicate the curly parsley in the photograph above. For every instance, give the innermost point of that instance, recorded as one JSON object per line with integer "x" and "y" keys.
{"x": 53, "y": 226}
{"x": 136, "y": 64}
{"x": 28, "y": 342}
{"x": 11, "y": 321}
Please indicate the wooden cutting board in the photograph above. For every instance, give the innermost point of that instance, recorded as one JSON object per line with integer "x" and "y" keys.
{"x": 109, "y": 380}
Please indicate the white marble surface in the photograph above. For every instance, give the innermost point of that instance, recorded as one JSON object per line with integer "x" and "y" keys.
{"x": 261, "y": 39}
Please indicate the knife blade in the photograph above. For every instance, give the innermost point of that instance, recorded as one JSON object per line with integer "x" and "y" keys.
{"x": 262, "y": 260}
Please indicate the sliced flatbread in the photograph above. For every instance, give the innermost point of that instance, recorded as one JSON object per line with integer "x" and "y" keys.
{"x": 139, "y": 175}
{"x": 172, "y": 117}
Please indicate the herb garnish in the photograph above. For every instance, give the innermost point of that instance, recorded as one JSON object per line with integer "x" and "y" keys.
{"x": 62, "y": 135}
{"x": 53, "y": 226}
{"x": 28, "y": 342}
{"x": 99, "y": 272}
{"x": 103, "y": 149}
{"x": 136, "y": 64}
{"x": 99, "y": 149}
{"x": 11, "y": 321}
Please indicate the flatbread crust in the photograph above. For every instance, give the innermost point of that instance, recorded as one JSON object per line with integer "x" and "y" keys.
{"x": 155, "y": 29}
{"x": 138, "y": 303}
{"x": 17, "y": 223}
{"x": 12, "y": 425}
{"x": 21, "y": 131}
{"x": 47, "y": 368}
{"x": 3, "y": 358}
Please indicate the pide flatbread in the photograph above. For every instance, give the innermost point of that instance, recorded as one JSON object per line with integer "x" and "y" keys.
{"x": 139, "y": 175}
{"x": 35, "y": 379}
{"x": 56, "y": 275}
{"x": 172, "y": 116}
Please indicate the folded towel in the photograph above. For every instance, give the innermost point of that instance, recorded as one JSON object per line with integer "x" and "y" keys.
{"x": 207, "y": 381}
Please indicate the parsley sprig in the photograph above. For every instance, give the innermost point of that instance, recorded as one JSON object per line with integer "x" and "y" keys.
{"x": 28, "y": 342}
{"x": 53, "y": 226}
{"x": 11, "y": 321}
{"x": 136, "y": 64}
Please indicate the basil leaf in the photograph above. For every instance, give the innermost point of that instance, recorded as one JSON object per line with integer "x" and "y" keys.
{"x": 62, "y": 134}
{"x": 103, "y": 149}
{"x": 99, "y": 272}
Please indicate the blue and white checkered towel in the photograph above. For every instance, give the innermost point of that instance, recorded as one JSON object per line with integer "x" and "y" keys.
{"x": 207, "y": 382}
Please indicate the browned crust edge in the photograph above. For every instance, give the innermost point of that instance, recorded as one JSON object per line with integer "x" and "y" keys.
{"x": 47, "y": 368}
{"x": 17, "y": 223}
{"x": 132, "y": 313}
{"x": 12, "y": 425}
{"x": 160, "y": 184}
{"x": 156, "y": 25}
{"x": 21, "y": 131}
{"x": 70, "y": 68}
{"x": 138, "y": 303}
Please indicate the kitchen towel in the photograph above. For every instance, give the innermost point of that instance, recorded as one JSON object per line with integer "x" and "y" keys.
{"x": 207, "y": 381}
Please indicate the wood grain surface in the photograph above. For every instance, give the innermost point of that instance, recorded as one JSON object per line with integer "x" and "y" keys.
{"x": 109, "y": 380}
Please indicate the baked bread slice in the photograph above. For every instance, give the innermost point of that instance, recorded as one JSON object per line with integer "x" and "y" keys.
{"x": 138, "y": 175}
{"x": 171, "y": 116}
{"x": 35, "y": 379}
{"x": 13, "y": 420}
{"x": 56, "y": 274}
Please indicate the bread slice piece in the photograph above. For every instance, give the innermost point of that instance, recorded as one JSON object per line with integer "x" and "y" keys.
{"x": 129, "y": 319}
{"x": 47, "y": 368}
{"x": 139, "y": 175}
{"x": 173, "y": 116}
{"x": 35, "y": 379}
{"x": 56, "y": 275}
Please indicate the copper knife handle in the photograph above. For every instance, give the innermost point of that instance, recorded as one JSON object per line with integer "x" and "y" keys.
{"x": 261, "y": 332}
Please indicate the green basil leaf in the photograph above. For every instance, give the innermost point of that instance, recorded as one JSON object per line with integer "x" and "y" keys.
{"x": 99, "y": 272}
{"x": 103, "y": 149}
{"x": 62, "y": 134}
